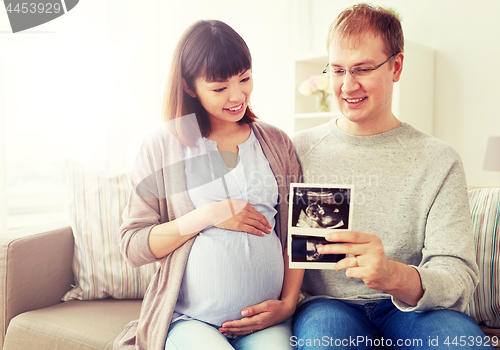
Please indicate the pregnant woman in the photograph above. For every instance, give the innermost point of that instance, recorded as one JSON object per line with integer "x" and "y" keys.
{"x": 209, "y": 202}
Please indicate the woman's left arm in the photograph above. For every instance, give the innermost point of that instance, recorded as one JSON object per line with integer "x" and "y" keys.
{"x": 269, "y": 312}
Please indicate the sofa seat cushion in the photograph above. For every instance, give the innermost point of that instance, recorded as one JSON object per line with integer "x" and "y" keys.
{"x": 72, "y": 325}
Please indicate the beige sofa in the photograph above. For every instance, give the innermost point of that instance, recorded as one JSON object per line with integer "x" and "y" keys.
{"x": 35, "y": 272}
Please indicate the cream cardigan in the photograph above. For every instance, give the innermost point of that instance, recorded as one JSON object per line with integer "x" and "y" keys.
{"x": 150, "y": 207}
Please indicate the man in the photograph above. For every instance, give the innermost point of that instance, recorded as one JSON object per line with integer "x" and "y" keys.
{"x": 410, "y": 268}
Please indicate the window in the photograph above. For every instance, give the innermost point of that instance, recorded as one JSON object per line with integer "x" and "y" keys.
{"x": 88, "y": 84}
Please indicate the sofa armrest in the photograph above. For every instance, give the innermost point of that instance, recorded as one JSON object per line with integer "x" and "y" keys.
{"x": 35, "y": 269}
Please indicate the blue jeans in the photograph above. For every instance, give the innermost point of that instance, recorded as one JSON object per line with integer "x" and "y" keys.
{"x": 193, "y": 335}
{"x": 331, "y": 324}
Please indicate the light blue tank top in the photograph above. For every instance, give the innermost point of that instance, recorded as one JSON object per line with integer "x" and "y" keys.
{"x": 228, "y": 270}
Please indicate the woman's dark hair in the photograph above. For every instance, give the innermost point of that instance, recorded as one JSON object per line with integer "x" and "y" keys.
{"x": 209, "y": 49}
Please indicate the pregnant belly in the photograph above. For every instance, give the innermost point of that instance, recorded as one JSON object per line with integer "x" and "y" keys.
{"x": 228, "y": 271}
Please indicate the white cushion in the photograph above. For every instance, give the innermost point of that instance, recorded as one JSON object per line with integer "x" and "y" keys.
{"x": 96, "y": 205}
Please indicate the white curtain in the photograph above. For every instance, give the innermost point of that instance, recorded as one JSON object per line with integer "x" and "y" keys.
{"x": 89, "y": 83}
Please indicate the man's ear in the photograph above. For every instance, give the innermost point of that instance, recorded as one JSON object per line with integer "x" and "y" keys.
{"x": 398, "y": 67}
{"x": 187, "y": 89}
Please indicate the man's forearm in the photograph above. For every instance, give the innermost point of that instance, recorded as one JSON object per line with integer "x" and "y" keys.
{"x": 406, "y": 284}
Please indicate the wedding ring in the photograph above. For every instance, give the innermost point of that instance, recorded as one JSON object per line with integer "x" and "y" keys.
{"x": 355, "y": 261}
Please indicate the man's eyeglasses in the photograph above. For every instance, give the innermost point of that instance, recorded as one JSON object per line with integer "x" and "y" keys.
{"x": 357, "y": 72}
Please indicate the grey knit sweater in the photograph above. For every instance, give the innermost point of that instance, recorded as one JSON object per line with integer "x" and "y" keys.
{"x": 410, "y": 190}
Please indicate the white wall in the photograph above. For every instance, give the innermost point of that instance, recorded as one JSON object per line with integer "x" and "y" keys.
{"x": 3, "y": 165}
{"x": 465, "y": 35}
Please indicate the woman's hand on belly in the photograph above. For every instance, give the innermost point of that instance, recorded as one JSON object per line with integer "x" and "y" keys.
{"x": 237, "y": 215}
{"x": 260, "y": 316}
